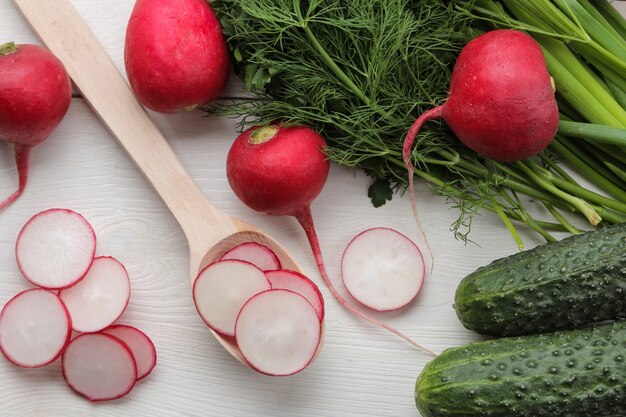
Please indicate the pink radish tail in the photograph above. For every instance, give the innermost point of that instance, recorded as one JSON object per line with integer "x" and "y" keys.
{"x": 435, "y": 113}
{"x": 22, "y": 154}
{"x": 306, "y": 221}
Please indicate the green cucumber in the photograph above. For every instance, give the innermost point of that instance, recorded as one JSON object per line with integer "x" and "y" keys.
{"x": 567, "y": 284}
{"x": 573, "y": 373}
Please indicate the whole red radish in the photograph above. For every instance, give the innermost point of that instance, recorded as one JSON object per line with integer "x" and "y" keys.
{"x": 280, "y": 170}
{"x": 175, "y": 54}
{"x": 501, "y": 102}
{"x": 35, "y": 93}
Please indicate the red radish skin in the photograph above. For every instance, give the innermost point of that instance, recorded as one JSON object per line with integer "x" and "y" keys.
{"x": 35, "y": 94}
{"x": 100, "y": 298}
{"x": 280, "y": 170}
{"x": 382, "y": 269}
{"x": 98, "y": 366}
{"x": 55, "y": 248}
{"x": 294, "y": 281}
{"x": 222, "y": 288}
{"x": 252, "y": 169}
{"x": 140, "y": 345}
{"x": 35, "y": 328}
{"x": 175, "y": 54}
{"x": 501, "y": 102}
{"x": 278, "y": 332}
{"x": 255, "y": 253}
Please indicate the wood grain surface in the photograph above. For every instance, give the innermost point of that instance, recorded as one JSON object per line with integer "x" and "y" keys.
{"x": 362, "y": 371}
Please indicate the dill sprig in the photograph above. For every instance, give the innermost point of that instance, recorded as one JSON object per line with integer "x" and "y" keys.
{"x": 361, "y": 72}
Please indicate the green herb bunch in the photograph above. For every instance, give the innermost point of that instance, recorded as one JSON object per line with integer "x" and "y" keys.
{"x": 360, "y": 72}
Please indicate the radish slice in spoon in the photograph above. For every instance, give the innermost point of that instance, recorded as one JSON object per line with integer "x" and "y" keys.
{"x": 222, "y": 288}
{"x": 55, "y": 248}
{"x": 140, "y": 346}
{"x": 99, "y": 367}
{"x": 382, "y": 269}
{"x": 290, "y": 280}
{"x": 35, "y": 327}
{"x": 278, "y": 332}
{"x": 256, "y": 254}
{"x": 100, "y": 298}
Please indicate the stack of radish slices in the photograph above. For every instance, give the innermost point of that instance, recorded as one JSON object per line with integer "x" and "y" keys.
{"x": 274, "y": 315}
{"x": 78, "y": 292}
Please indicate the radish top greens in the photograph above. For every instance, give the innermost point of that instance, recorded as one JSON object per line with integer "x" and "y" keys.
{"x": 360, "y": 72}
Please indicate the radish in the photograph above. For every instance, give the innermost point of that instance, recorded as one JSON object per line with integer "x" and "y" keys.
{"x": 100, "y": 298}
{"x": 99, "y": 367}
{"x": 382, "y": 269}
{"x": 298, "y": 283}
{"x": 280, "y": 170}
{"x": 35, "y": 328}
{"x": 501, "y": 102}
{"x": 175, "y": 54}
{"x": 278, "y": 332}
{"x": 35, "y": 93}
{"x": 140, "y": 346}
{"x": 256, "y": 254}
{"x": 55, "y": 248}
{"x": 222, "y": 288}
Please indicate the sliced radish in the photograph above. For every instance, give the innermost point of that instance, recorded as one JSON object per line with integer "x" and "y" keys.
{"x": 382, "y": 269}
{"x": 99, "y": 367}
{"x": 55, "y": 248}
{"x": 100, "y": 298}
{"x": 256, "y": 254}
{"x": 35, "y": 327}
{"x": 222, "y": 288}
{"x": 139, "y": 344}
{"x": 278, "y": 332}
{"x": 291, "y": 280}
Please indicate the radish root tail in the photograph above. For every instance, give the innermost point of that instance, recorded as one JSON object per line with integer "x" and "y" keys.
{"x": 435, "y": 113}
{"x": 306, "y": 221}
{"x": 22, "y": 156}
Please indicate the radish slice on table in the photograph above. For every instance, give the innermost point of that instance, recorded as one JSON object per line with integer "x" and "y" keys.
{"x": 100, "y": 298}
{"x": 55, "y": 248}
{"x": 35, "y": 327}
{"x": 222, "y": 288}
{"x": 99, "y": 367}
{"x": 140, "y": 346}
{"x": 278, "y": 332}
{"x": 382, "y": 269}
{"x": 256, "y": 254}
{"x": 290, "y": 280}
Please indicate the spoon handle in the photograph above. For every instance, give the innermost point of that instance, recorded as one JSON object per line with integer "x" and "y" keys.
{"x": 67, "y": 36}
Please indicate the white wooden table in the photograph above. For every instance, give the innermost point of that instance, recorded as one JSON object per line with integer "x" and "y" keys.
{"x": 362, "y": 370}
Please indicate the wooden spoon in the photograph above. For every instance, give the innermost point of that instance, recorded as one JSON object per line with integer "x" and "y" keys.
{"x": 210, "y": 233}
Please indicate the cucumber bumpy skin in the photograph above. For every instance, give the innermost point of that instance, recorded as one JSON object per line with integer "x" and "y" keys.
{"x": 574, "y": 282}
{"x": 574, "y": 373}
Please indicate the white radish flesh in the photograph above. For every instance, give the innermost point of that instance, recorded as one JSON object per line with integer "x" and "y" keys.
{"x": 100, "y": 298}
{"x": 140, "y": 345}
{"x": 55, "y": 248}
{"x": 382, "y": 269}
{"x": 222, "y": 288}
{"x": 99, "y": 367}
{"x": 290, "y": 280}
{"x": 278, "y": 332}
{"x": 35, "y": 327}
{"x": 256, "y": 254}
